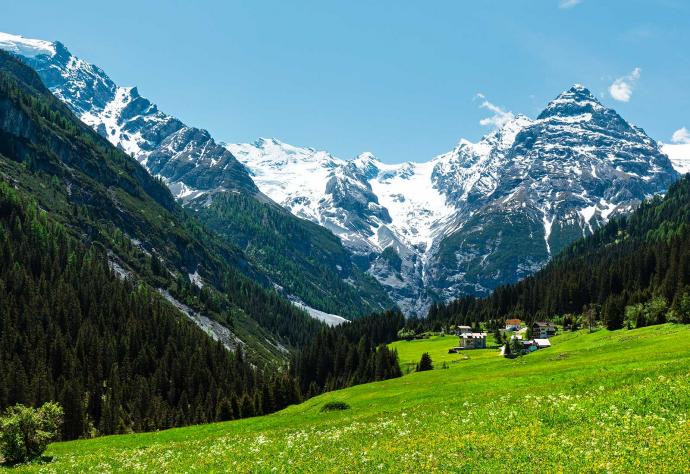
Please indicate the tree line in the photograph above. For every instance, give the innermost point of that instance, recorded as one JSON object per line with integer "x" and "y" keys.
{"x": 349, "y": 354}
{"x": 632, "y": 272}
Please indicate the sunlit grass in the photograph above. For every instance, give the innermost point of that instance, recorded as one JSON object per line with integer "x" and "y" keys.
{"x": 602, "y": 402}
{"x": 409, "y": 352}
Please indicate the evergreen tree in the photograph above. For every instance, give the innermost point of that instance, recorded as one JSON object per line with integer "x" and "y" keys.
{"x": 425, "y": 363}
{"x": 225, "y": 412}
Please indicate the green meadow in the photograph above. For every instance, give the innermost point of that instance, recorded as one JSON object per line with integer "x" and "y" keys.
{"x": 600, "y": 402}
{"x": 409, "y": 352}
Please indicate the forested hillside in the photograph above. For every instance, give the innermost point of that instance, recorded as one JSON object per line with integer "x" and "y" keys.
{"x": 198, "y": 170}
{"x": 102, "y": 196}
{"x": 115, "y": 354}
{"x": 349, "y": 354}
{"x": 306, "y": 259}
{"x": 634, "y": 271}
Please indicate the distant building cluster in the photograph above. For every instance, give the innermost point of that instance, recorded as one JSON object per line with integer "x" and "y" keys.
{"x": 541, "y": 331}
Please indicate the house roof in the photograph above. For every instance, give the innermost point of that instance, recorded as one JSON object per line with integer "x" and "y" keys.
{"x": 543, "y": 324}
{"x": 513, "y": 321}
{"x": 542, "y": 342}
{"x": 464, "y": 327}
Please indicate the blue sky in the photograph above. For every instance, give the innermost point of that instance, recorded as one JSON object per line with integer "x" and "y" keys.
{"x": 400, "y": 79}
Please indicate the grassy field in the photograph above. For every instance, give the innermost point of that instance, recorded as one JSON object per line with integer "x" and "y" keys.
{"x": 409, "y": 352}
{"x": 601, "y": 402}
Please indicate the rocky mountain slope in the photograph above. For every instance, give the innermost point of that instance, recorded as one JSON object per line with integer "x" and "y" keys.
{"x": 318, "y": 272}
{"x": 112, "y": 206}
{"x": 481, "y": 215}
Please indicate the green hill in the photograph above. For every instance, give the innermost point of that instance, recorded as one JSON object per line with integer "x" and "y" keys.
{"x": 602, "y": 402}
{"x": 295, "y": 253}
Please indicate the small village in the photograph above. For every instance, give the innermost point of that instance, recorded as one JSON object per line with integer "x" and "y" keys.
{"x": 516, "y": 339}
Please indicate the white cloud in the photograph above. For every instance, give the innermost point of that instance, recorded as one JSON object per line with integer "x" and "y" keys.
{"x": 622, "y": 88}
{"x": 682, "y": 135}
{"x": 499, "y": 117}
{"x": 568, "y": 3}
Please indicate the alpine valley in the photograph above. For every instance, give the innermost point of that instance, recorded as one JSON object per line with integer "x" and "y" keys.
{"x": 172, "y": 301}
{"x": 479, "y": 216}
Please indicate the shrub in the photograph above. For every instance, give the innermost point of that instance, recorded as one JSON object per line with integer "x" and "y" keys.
{"x": 335, "y": 406}
{"x": 25, "y": 432}
{"x": 407, "y": 334}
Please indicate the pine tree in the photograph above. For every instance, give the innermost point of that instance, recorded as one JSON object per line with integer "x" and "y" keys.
{"x": 225, "y": 412}
{"x": 425, "y": 363}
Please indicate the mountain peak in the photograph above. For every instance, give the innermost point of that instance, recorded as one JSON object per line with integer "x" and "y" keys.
{"x": 367, "y": 163}
{"x": 366, "y": 157}
{"x": 577, "y": 87}
{"x": 579, "y": 92}
{"x": 575, "y": 101}
{"x": 26, "y": 47}
{"x": 263, "y": 141}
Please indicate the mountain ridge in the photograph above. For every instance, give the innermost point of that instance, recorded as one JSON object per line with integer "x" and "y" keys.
{"x": 460, "y": 187}
{"x": 455, "y": 224}
{"x": 202, "y": 173}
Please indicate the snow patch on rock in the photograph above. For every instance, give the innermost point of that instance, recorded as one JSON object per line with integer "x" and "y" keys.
{"x": 29, "y": 48}
{"x": 328, "y": 318}
{"x": 217, "y": 331}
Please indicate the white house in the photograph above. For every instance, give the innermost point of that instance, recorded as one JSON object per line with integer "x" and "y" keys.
{"x": 542, "y": 343}
{"x": 473, "y": 340}
{"x": 513, "y": 324}
{"x": 460, "y": 330}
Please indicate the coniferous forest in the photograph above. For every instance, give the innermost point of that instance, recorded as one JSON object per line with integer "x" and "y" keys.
{"x": 77, "y": 328}
{"x": 120, "y": 358}
{"x": 116, "y": 355}
{"x": 633, "y": 272}
{"x": 349, "y": 354}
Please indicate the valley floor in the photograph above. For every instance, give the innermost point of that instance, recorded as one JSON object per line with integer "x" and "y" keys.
{"x": 602, "y": 402}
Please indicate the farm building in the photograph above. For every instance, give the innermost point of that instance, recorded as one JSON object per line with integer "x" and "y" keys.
{"x": 473, "y": 340}
{"x": 460, "y": 330}
{"x": 542, "y": 343}
{"x": 543, "y": 330}
{"x": 513, "y": 324}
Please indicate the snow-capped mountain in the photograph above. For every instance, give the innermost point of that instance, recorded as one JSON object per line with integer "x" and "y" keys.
{"x": 527, "y": 190}
{"x": 186, "y": 157}
{"x": 481, "y": 215}
{"x": 679, "y": 154}
{"x": 370, "y": 205}
{"x": 466, "y": 221}
{"x": 318, "y": 271}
